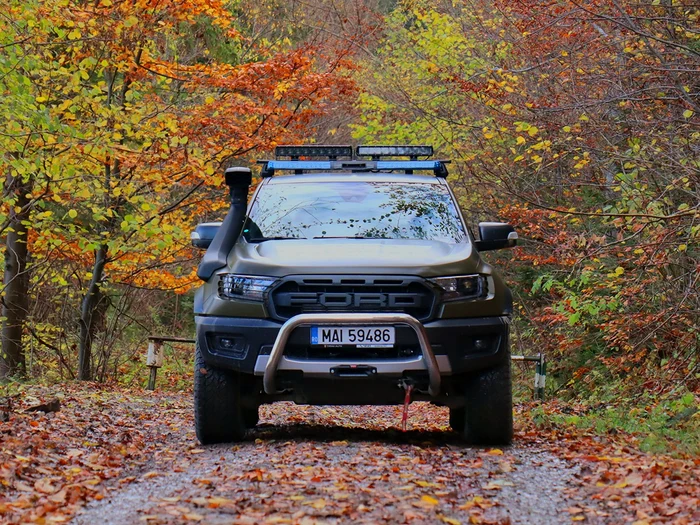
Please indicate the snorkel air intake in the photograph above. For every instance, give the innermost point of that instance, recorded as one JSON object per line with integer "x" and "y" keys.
{"x": 238, "y": 181}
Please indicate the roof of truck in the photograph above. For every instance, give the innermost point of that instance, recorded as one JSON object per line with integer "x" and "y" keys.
{"x": 354, "y": 177}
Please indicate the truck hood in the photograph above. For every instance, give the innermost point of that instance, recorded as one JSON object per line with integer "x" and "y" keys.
{"x": 355, "y": 256}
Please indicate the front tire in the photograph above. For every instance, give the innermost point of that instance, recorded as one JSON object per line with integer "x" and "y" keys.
{"x": 487, "y": 416}
{"x": 218, "y": 417}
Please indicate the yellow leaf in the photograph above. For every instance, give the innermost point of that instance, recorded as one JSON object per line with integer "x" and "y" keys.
{"x": 566, "y": 129}
{"x": 209, "y": 100}
{"x": 495, "y": 452}
{"x": 130, "y": 21}
{"x": 520, "y": 140}
{"x": 532, "y": 131}
{"x": 583, "y": 118}
{"x": 425, "y": 484}
{"x": 451, "y": 521}
{"x": 318, "y": 504}
{"x": 682, "y": 247}
{"x": 72, "y": 214}
{"x": 687, "y": 113}
{"x": 429, "y": 500}
{"x": 619, "y": 270}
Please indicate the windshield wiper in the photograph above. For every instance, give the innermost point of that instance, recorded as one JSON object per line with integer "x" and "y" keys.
{"x": 279, "y": 238}
{"x": 347, "y": 237}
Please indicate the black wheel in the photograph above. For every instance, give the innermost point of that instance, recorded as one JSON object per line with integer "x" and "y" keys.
{"x": 487, "y": 416}
{"x": 218, "y": 417}
{"x": 251, "y": 417}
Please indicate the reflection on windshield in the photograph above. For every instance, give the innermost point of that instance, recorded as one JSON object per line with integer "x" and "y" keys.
{"x": 375, "y": 210}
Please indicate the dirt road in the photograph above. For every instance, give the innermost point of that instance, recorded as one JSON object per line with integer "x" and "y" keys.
{"x": 349, "y": 465}
{"x": 123, "y": 455}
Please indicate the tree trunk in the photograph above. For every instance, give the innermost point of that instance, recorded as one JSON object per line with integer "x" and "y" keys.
{"x": 89, "y": 315}
{"x": 16, "y": 282}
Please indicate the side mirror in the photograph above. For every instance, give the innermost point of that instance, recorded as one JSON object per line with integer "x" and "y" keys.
{"x": 496, "y": 236}
{"x": 203, "y": 234}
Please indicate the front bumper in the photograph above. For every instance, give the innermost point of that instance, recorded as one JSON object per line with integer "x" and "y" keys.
{"x": 458, "y": 345}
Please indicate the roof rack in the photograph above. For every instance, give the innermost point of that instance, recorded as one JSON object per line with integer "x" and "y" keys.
{"x": 331, "y": 153}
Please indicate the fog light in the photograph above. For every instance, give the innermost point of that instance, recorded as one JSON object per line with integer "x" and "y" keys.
{"x": 235, "y": 347}
{"x": 481, "y": 345}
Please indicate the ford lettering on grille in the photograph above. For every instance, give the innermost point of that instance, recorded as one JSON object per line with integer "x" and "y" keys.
{"x": 357, "y": 300}
{"x": 298, "y": 294}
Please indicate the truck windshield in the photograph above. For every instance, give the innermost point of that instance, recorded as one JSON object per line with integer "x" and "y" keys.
{"x": 366, "y": 210}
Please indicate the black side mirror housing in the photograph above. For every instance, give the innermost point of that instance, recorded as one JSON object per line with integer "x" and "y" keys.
{"x": 496, "y": 236}
{"x": 203, "y": 234}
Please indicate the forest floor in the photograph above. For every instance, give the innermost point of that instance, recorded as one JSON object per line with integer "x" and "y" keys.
{"x": 112, "y": 455}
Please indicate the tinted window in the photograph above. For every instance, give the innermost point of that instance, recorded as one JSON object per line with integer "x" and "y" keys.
{"x": 377, "y": 210}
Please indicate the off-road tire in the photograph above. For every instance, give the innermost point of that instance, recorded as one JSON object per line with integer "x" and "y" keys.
{"x": 218, "y": 417}
{"x": 251, "y": 417}
{"x": 487, "y": 416}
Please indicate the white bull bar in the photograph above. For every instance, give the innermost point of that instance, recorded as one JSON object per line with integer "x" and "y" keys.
{"x": 350, "y": 319}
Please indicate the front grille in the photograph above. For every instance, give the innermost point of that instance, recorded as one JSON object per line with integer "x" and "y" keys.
{"x": 351, "y": 293}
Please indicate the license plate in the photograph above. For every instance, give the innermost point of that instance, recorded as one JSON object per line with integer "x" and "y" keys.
{"x": 359, "y": 336}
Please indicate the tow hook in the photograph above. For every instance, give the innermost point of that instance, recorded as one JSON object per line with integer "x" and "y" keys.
{"x": 408, "y": 389}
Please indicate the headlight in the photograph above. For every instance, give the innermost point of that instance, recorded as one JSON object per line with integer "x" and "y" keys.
{"x": 249, "y": 287}
{"x": 463, "y": 287}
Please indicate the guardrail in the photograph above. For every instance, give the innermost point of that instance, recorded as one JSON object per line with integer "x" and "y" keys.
{"x": 540, "y": 371}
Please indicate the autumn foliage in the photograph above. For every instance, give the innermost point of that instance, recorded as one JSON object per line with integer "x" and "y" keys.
{"x": 118, "y": 119}
{"x": 578, "y": 123}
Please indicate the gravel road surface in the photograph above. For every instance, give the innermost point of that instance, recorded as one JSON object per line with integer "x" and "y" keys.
{"x": 342, "y": 465}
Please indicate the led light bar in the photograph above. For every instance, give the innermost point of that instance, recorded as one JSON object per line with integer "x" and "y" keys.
{"x": 438, "y": 167}
{"x": 394, "y": 151}
{"x": 330, "y": 152}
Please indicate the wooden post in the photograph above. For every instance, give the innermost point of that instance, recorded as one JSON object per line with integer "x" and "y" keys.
{"x": 154, "y": 360}
{"x": 152, "y": 378}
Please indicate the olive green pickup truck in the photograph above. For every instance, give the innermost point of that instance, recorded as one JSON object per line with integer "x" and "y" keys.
{"x": 349, "y": 277}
